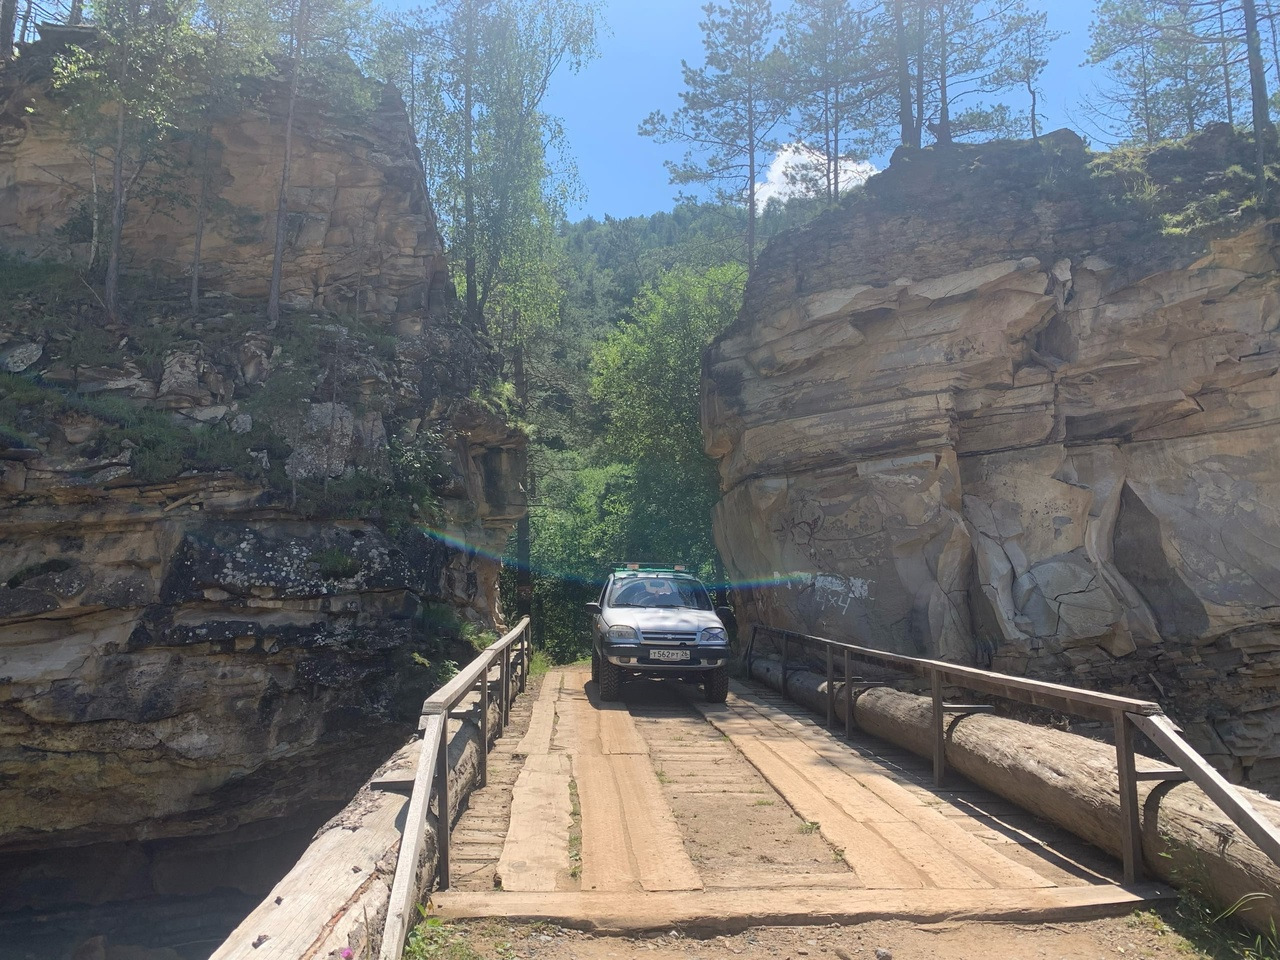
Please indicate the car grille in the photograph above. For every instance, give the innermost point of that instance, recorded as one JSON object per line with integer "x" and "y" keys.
{"x": 649, "y": 636}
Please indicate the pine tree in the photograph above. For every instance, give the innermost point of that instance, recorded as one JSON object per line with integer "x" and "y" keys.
{"x": 732, "y": 105}
{"x": 126, "y": 90}
{"x": 833, "y": 84}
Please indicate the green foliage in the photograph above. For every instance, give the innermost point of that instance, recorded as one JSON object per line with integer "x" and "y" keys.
{"x": 434, "y": 939}
{"x": 44, "y": 279}
{"x": 336, "y": 563}
{"x": 159, "y": 449}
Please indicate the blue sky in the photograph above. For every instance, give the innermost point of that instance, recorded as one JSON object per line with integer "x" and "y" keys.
{"x": 639, "y": 70}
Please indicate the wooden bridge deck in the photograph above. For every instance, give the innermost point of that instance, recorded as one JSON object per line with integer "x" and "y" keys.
{"x": 665, "y": 811}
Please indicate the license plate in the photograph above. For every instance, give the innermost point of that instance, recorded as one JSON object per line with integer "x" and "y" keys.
{"x": 669, "y": 656}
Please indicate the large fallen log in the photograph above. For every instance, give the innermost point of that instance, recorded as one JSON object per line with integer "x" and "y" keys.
{"x": 335, "y": 898}
{"x": 1071, "y": 781}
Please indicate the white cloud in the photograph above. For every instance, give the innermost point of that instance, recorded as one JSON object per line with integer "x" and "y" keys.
{"x": 795, "y": 163}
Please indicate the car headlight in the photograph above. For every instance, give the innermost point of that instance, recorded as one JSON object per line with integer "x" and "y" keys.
{"x": 623, "y": 632}
{"x": 714, "y": 635}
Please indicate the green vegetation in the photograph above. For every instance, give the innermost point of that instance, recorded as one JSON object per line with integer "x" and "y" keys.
{"x": 434, "y": 939}
{"x": 336, "y": 564}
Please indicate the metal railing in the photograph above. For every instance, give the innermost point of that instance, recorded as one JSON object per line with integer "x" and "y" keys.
{"x": 1125, "y": 713}
{"x": 512, "y": 656}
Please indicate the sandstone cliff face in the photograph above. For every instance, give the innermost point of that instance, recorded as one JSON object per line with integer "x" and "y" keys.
{"x": 223, "y": 541}
{"x": 361, "y": 231}
{"x": 987, "y": 414}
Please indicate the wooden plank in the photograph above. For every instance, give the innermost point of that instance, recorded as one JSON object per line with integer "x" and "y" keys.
{"x": 542, "y": 721}
{"x": 401, "y": 912}
{"x": 320, "y": 889}
{"x": 728, "y": 911}
{"x": 909, "y": 804}
{"x": 536, "y": 850}
{"x": 629, "y": 835}
{"x": 606, "y": 854}
{"x": 1165, "y": 735}
{"x": 866, "y": 852}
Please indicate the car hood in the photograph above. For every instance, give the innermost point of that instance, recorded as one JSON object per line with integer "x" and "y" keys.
{"x": 671, "y": 619}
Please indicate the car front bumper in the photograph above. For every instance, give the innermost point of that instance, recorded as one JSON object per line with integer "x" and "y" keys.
{"x": 639, "y": 656}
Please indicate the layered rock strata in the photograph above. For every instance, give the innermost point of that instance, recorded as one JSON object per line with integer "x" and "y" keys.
{"x": 987, "y": 413}
{"x": 229, "y": 549}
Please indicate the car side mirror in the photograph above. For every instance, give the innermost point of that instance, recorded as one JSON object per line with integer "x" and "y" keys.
{"x": 726, "y": 617}
{"x": 594, "y": 608}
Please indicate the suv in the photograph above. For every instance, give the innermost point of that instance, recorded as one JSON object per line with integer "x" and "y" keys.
{"x": 657, "y": 620}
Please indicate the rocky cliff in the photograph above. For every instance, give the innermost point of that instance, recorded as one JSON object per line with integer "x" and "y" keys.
{"x": 234, "y": 555}
{"x": 994, "y": 410}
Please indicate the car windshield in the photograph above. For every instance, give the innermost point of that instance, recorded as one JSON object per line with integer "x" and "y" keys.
{"x": 659, "y": 592}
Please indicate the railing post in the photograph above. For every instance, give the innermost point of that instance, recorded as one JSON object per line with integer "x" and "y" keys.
{"x": 939, "y": 730}
{"x": 831, "y": 687}
{"x": 484, "y": 728}
{"x": 786, "y": 642}
{"x": 848, "y": 696}
{"x": 1130, "y": 827}
{"x": 526, "y": 654}
{"x": 444, "y": 823}
{"x": 751, "y": 648}
{"x": 506, "y": 687}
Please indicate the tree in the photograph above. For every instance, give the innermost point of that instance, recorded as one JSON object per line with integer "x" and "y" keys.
{"x": 731, "y": 107}
{"x": 833, "y": 85}
{"x": 1029, "y": 40}
{"x": 8, "y": 23}
{"x": 125, "y": 88}
{"x": 946, "y": 56}
{"x": 1164, "y": 71}
{"x": 647, "y": 376}
{"x": 476, "y": 73}
{"x": 311, "y": 29}
{"x": 234, "y": 40}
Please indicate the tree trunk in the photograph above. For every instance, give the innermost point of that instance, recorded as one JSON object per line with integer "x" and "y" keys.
{"x": 905, "y": 118}
{"x": 943, "y": 133}
{"x": 76, "y": 14}
{"x": 202, "y": 206}
{"x": 751, "y": 191}
{"x": 1226, "y": 63}
{"x": 524, "y": 542}
{"x": 8, "y": 23}
{"x": 1262, "y": 129}
{"x": 282, "y": 203}
{"x": 1071, "y": 781}
{"x": 118, "y": 200}
{"x": 468, "y": 170}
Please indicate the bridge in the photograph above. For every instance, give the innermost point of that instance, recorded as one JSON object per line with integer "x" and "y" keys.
{"x": 664, "y": 812}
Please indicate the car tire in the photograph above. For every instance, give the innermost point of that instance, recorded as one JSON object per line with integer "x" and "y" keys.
{"x": 595, "y": 666}
{"x": 610, "y": 681}
{"x": 716, "y": 685}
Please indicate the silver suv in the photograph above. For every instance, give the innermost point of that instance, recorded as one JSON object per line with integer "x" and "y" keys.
{"x": 657, "y": 620}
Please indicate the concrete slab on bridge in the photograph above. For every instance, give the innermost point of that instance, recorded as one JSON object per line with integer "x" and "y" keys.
{"x": 663, "y": 811}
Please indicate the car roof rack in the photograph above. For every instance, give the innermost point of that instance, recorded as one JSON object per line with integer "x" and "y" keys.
{"x": 651, "y": 568}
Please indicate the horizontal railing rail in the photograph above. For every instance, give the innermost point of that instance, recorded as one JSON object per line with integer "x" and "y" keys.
{"x": 1125, "y": 713}
{"x": 512, "y": 655}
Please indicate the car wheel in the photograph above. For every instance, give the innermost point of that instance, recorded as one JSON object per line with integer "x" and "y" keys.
{"x": 716, "y": 685}
{"x": 610, "y": 680}
{"x": 595, "y": 666}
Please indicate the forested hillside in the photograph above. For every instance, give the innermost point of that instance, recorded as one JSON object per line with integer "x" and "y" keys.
{"x": 616, "y": 462}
